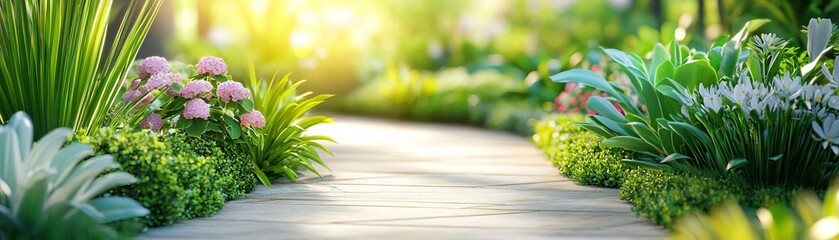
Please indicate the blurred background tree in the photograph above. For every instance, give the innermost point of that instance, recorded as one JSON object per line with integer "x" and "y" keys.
{"x": 341, "y": 45}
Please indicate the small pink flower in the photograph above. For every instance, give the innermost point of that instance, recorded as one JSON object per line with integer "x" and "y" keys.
{"x": 131, "y": 84}
{"x": 211, "y": 66}
{"x": 254, "y": 119}
{"x": 232, "y": 91}
{"x": 158, "y": 80}
{"x": 196, "y": 108}
{"x": 151, "y": 66}
{"x": 147, "y": 99}
{"x": 197, "y": 88}
{"x": 173, "y": 93}
{"x": 152, "y": 121}
{"x": 130, "y": 96}
{"x": 174, "y": 77}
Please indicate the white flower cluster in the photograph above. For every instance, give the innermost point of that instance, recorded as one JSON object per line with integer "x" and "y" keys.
{"x": 747, "y": 96}
{"x": 785, "y": 93}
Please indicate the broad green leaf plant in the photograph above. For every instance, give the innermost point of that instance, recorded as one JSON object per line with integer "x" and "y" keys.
{"x": 59, "y": 63}
{"x": 52, "y": 191}
{"x": 745, "y": 106}
{"x": 282, "y": 147}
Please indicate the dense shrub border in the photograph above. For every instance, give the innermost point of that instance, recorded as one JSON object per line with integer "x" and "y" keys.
{"x": 179, "y": 178}
{"x": 661, "y": 196}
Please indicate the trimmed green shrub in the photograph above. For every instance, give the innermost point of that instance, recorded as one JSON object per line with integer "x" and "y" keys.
{"x": 173, "y": 185}
{"x": 578, "y": 154}
{"x": 663, "y": 196}
{"x": 230, "y": 160}
{"x": 658, "y": 195}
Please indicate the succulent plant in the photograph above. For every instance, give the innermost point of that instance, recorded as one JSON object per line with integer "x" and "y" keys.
{"x": 49, "y": 190}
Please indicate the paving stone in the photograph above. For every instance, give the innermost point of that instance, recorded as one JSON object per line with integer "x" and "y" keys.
{"x": 397, "y": 180}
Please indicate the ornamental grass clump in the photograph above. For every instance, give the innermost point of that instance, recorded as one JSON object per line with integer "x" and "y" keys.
{"x": 747, "y": 107}
{"x": 283, "y": 146}
{"x": 61, "y": 65}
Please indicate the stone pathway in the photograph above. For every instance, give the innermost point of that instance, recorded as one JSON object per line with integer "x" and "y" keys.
{"x": 396, "y": 180}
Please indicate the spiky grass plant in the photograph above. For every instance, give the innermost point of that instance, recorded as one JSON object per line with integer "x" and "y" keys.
{"x": 282, "y": 146}
{"x": 56, "y": 62}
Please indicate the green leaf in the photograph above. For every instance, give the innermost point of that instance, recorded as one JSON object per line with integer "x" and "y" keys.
{"x": 735, "y": 163}
{"x": 730, "y": 55}
{"x": 118, "y": 208}
{"x": 610, "y": 125}
{"x": 246, "y": 104}
{"x": 32, "y": 203}
{"x": 591, "y": 79}
{"x": 646, "y": 164}
{"x": 664, "y": 70}
{"x": 213, "y": 127}
{"x": 753, "y": 64}
{"x": 671, "y": 93}
{"x": 198, "y": 127}
{"x": 692, "y": 73}
{"x": 715, "y": 57}
{"x": 659, "y": 56}
{"x": 183, "y": 123}
{"x": 234, "y": 131}
{"x": 605, "y": 108}
{"x": 645, "y": 132}
{"x": 631, "y": 143}
{"x": 747, "y": 29}
{"x": 596, "y": 129}
{"x": 619, "y": 57}
{"x": 776, "y": 157}
{"x": 674, "y": 157}
{"x": 220, "y": 78}
{"x": 689, "y": 131}
{"x": 261, "y": 175}
{"x": 720, "y": 41}
{"x": 105, "y": 183}
{"x": 177, "y": 87}
{"x": 676, "y": 54}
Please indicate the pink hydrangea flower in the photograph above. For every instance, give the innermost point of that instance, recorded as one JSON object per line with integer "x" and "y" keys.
{"x": 131, "y": 84}
{"x": 232, "y": 91}
{"x": 173, "y": 93}
{"x": 211, "y": 66}
{"x": 152, "y": 121}
{"x": 197, "y": 88}
{"x": 174, "y": 77}
{"x": 131, "y": 95}
{"x": 196, "y": 108}
{"x": 158, "y": 80}
{"x": 151, "y": 66}
{"x": 254, "y": 119}
{"x": 147, "y": 99}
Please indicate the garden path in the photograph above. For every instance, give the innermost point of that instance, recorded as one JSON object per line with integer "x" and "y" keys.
{"x": 398, "y": 180}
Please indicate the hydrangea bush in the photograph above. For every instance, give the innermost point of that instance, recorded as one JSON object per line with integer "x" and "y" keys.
{"x": 206, "y": 102}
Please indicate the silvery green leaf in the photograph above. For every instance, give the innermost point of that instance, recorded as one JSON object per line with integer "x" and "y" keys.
{"x": 818, "y": 35}
{"x": 117, "y": 208}
{"x": 22, "y": 125}
{"x": 43, "y": 152}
